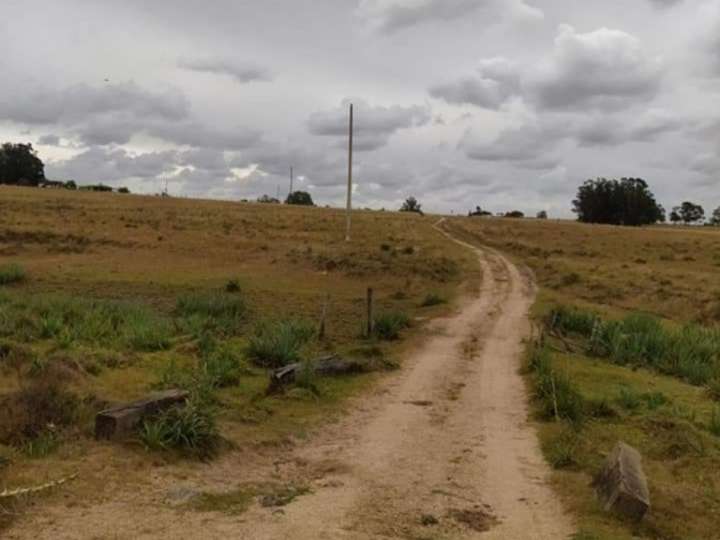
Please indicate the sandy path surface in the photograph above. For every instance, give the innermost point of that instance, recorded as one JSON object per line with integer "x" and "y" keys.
{"x": 441, "y": 450}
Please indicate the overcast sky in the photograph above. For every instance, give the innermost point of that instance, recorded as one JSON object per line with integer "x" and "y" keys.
{"x": 506, "y": 104}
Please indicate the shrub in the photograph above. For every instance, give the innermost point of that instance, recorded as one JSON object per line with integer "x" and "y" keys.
{"x": 561, "y": 451}
{"x": 190, "y": 429}
{"x": 222, "y": 366}
{"x": 714, "y": 425}
{"x": 388, "y": 325}
{"x": 433, "y": 299}
{"x": 277, "y": 343}
{"x": 629, "y": 399}
{"x": 567, "y": 320}
{"x": 554, "y": 390}
{"x": 232, "y": 286}
{"x": 218, "y": 311}
{"x": 11, "y": 273}
{"x": 43, "y": 401}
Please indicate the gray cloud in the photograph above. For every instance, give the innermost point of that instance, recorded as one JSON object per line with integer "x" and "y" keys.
{"x": 498, "y": 79}
{"x": 242, "y": 72}
{"x": 49, "y": 140}
{"x": 35, "y": 104}
{"x": 111, "y": 165}
{"x": 373, "y": 125}
{"x": 392, "y": 15}
{"x": 621, "y": 95}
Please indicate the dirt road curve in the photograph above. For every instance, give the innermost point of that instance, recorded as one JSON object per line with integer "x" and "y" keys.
{"x": 442, "y": 450}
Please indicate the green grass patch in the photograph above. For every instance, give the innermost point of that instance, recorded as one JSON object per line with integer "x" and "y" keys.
{"x": 690, "y": 352}
{"x": 389, "y": 325}
{"x": 274, "y": 344}
{"x": 218, "y": 311}
{"x": 12, "y": 273}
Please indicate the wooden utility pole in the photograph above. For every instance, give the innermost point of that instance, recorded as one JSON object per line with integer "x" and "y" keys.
{"x": 350, "y": 165}
{"x": 292, "y": 179}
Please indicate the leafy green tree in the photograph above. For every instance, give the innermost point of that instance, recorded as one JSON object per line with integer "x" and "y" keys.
{"x": 715, "y": 219}
{"x": 301, "y": 198}
{"x": 690, "y": 212}
{"x": 542, "y": 214}
{"x": 411, "y": 205}
{"x": 268, "y": 200}
{"x": 19, "y": 164}
{"x": 627, "y": 201}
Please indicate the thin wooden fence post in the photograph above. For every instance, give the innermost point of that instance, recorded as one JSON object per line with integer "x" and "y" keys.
{"x": 370, "y": 315}
{"x": 321, "y": 333}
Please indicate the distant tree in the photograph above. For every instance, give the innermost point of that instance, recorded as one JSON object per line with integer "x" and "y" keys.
{"x": 514, "y": 214}
{"x": 715, "y": 219}
{"x": 542, "y": 214}
{"x": 675, "y": 216}
{"x": 689, "y": 212}
{"x": 301, "y": 198}
{"x": 479, "y": 212}
{"x": 70, "y": 184}
{"x": 268, "y": 200}
{"x": 411, "y": 205}
{"x": 628, "y": 201}
{"x": 19, "y": 164}
{"x": 123, "y": 190}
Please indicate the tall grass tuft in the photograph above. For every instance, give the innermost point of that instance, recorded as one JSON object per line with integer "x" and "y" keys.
{"x": 691, "y": 352}
{"x": 218, "y": 311}
{"x": 11, "y": 273}
{"x": 278, "y": 343}
{"x": 67, "y": 320}
{"x": 191, "y": 429}
{"x": 558, "y": 397}
{"x": 388, "y": 325}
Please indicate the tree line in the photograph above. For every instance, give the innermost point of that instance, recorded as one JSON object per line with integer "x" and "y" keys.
{"x": 629, "y": 201}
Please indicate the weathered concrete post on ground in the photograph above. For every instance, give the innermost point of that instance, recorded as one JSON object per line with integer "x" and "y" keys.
{"x": 622, "y": 485}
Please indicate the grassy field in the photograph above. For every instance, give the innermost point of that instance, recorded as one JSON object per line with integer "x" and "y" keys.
{"x": 106, "y": 297}
{"x": 632, "y": 351}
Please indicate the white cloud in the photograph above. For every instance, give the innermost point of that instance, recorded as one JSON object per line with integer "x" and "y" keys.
{"x": 498, "y": 79}
{"x": 392, "y": 15}
{"x": 243, "y": 72}
{"x": 604, "y": 69}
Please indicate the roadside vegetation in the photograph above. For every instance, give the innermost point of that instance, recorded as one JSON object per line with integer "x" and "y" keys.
{"x": 629, "y": 351}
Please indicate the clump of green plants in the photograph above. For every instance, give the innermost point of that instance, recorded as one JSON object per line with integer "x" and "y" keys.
{"x": 12, "y": 273}
{"x": 691, "y": 352}
{"x": 222, "y": 365}
{"x": 274, "y": 344}
{"x": 191, "y": 429}
{"x": 569, "y": 320}
{"x": 629, "y": 399}
{"x": 559, "y": 398}
{"x": 388, "y": 325}
{"x": 561, "y": 451}
{"x": 714, "y": 426}
{"x": 68, "y": 320}
{"x": 433, "y": 299}
{"x": 216, "y": 311}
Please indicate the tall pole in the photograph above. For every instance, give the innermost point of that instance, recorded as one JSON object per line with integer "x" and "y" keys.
{"x": 292, "y": 179}
{"x": 350, "y": 165}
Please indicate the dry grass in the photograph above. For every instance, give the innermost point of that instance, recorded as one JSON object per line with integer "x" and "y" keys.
{"x": 668, "y": 271}
{"x": 124, "y": 255}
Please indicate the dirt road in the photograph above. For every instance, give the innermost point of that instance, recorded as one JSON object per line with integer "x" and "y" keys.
{"x": 441, "y": 450}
